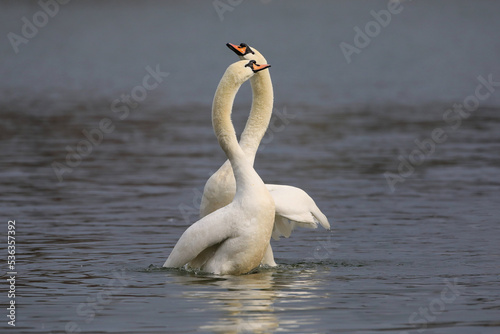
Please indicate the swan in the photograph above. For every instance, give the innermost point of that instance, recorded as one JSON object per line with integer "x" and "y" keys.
{"x": 231, "y": 240}
{"x": 294, "y": 207}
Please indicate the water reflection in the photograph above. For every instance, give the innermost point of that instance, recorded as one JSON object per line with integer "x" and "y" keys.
{"x": 246, "y": 302}
{"x": 253, "y": 303}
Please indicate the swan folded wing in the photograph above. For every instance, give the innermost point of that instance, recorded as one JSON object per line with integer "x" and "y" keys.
{"x": 206, "y": 232}
{"x": 294, "y": 207}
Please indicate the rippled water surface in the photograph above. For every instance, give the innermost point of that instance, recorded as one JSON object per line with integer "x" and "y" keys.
{"x": 420, "y": 257}
{"x": 90, "y": 248}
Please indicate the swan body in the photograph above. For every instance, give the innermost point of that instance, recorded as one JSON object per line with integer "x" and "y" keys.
{"x": 233, "y": 239}
{"x": 294, "y": 207}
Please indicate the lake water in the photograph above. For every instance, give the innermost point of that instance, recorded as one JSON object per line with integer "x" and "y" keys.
{"x": 419, "y": 254}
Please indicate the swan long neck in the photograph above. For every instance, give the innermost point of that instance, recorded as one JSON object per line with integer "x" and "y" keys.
{"x": 224, "y": 129}
{"x": 260, "y": 114}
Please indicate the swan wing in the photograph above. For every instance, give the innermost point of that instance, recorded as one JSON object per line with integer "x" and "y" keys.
{"x": 206, "y": 232}
{"x": 294, "y": 207}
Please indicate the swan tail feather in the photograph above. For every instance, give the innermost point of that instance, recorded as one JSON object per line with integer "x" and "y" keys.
{"x": 282, "y": 227}
{"x": 294, "y": 207}
{"x": 320, "y": 217}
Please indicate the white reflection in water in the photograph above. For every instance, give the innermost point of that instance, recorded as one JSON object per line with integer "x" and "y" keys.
{"x": 253, "y": 303}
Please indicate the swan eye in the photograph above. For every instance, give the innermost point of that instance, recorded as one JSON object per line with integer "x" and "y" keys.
{"x": 250, "y": 64}
{"x": 247, "y": 49}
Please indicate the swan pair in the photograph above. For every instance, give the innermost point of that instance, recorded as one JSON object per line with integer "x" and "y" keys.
{"x": 239, "y": 212}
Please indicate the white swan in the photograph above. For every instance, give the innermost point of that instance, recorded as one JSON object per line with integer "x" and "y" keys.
{"x": 293, "y": 205}
{"x": 233, "y": 239}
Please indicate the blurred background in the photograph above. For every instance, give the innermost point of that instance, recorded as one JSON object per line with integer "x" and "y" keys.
{"x": 427, "y": 52}
{"x": 355, "y": 84}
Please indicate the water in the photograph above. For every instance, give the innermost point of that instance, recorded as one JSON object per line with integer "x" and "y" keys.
{"x": 423, "y": 258}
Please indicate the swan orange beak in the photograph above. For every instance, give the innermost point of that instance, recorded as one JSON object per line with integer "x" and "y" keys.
{"x": 257, "y": 67}
{"x": 241, "y": 49}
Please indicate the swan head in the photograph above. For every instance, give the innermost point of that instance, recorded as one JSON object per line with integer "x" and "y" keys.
{"x": 244, "y": 69}
{"x": 241, "y": 50}
{"x": 256, "y": 67}
{"x": 244, "y": 51}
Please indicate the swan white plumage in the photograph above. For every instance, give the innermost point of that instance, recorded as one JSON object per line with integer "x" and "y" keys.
{"x": 233, "y": 239}
{"x": 294, "y": 207}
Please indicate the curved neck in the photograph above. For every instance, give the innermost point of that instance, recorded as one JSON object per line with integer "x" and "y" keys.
{"x": 260, "y": 114}
{"x": 224, "y": 129}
